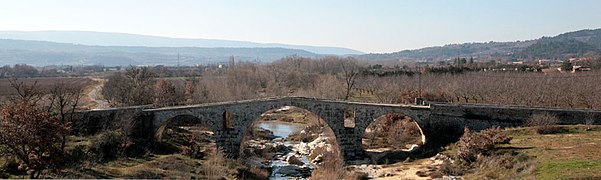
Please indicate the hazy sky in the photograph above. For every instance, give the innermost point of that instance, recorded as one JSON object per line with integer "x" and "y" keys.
{"x": 367, "y": 25}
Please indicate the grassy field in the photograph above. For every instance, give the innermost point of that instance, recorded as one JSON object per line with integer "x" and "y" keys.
{"x": 573, "y": 154}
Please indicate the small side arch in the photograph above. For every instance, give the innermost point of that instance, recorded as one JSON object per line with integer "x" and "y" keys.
{"x": 393, "y": 133}
{"x": 179, "y": 120}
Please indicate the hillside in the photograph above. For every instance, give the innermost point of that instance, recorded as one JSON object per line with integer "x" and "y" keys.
{"x": 123, "y": 39}
{"x": 50, "y": 53}
{"x": 574, "y": 43}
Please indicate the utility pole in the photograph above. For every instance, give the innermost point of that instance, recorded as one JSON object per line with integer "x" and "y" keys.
{"x": 419, "y": 82}
{"x": 419, "y": 100}
{"x": 177, "y": 68}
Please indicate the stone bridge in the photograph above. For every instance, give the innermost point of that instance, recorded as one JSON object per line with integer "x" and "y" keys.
{"x": 440, "y": 123}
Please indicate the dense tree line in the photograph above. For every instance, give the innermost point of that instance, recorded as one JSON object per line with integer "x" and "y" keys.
{"x": 347, "y": 78}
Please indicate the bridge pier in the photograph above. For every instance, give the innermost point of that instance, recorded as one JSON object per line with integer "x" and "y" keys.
{"x": 229, "y": 142}
{"x": 349, "y": 140}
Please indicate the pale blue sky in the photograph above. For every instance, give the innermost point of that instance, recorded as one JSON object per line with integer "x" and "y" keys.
{"x": 369, "y": 26}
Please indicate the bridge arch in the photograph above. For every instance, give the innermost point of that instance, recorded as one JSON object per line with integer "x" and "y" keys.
{"x": 415, "y": 119}
{"x": 186, "y": 133}
{"x": 393, "y": 136}
{"x": 348, "y": 130}
{"x": 178, "y": 120}
{"x": 254, "y": 141}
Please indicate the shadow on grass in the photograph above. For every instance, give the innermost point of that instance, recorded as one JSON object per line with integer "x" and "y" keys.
{"x": 514, "y": 148}
{"x": 85, "y": 173}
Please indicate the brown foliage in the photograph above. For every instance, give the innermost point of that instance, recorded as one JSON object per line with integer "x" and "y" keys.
{"x": 478, "y": 158}
{"x": 165, "y": 94}
{"x": 253, "y": 173}
{"x": 589, "y": 120}
{"x": 215, "y": 167}
{"x": 31, "y": 134}
{"x": 394, "y": 130}
{"x": 543, "y": 122}
{"x": 134, "y": 87}
{"x": 332, "y": 167}
{"x": 471, "y": 145}
{"x": 109, "y": 145}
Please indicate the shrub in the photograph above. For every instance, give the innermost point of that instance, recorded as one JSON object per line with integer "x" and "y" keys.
{"x": 455, "y": 169}
{"x": 504, "y": 166}
{"x": 215, "y": 167}
{"x": 544, "y": 123}
{"x": 332, "y": 166}
{"x": 589, "y": 120}
{"x": 31, "y": 134}
{"x": 471, "y": 145}
{"x": 147, "y": 174}
{"x": 76, "y": 155}
{"x": 253, "y": 173}
{"x": 109, "y": 145}
{"x": 404, "y": 132}
{"x": 10, "y": 165}
{"x": 477, "y": 158}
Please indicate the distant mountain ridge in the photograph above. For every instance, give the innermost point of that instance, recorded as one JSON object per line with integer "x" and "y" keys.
{"x": 41, "y": 53}
{"x": 561, "y": 46}
{"x": 122, "y": 49}
{"x": 123, "y": 39}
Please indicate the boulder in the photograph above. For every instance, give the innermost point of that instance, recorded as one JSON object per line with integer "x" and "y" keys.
{"x": 294, "y": 160}
{"x": 294, "y": 171}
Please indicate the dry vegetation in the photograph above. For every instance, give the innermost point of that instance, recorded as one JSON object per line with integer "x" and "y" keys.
{"x": 347, "y": 78}
{"x": 45, "y": 84}
{"x": 393, "y": 131}
{"x": 570, "y": 154}
{"x": 478, "y": 156}
{"x": 543, "y": 122}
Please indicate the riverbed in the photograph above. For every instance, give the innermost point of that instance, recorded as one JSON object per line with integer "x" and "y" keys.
{"x": 281, "y": 166}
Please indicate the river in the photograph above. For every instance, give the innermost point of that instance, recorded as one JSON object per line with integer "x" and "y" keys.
{"x": 281, "y": 169}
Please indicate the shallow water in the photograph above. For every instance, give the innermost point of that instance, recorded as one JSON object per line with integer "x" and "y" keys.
{"x": 281, "y": 129}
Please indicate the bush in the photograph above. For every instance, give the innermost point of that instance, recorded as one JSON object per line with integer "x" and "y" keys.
{"x": 109, "y": 145}
{"x": 253, "y": 173}
{"x": 32, "y": 135}
{"x": 477, "y": 158}
{"x": 147, "y": 174}
{"x": 471, "y": 145}
{"x": 404, "y": 132}
{"x": 10, "y": 165}
{"x": 332, "y": 167}
{"x": 76, "y": 155}
{"x": 589, "y": 120}
{"x": 543, "y": 122}
{"x": 504, "y": 166}
{"x": 215, "y": 167}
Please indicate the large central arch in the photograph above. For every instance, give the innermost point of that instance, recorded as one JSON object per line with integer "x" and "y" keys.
{"x": 229, "y": 120}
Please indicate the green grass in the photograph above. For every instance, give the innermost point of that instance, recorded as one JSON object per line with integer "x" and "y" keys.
{"x": 580, "y": 169}
{"x": 575, "y": 153}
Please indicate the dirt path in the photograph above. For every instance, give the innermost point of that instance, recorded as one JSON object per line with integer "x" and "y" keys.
{"x": 96, "y": 96}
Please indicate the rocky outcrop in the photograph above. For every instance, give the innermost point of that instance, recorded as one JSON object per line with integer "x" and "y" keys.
{"x": 307, "y": 148}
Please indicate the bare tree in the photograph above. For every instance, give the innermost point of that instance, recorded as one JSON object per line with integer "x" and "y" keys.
{"x": 29, "y": 132}
{"x": 350, "y": 71}
{"x": 64, "y": 98}
{"x": 165, "y": 94}
{"x": 28, "y": 92}
{"x": 134, "y": 87}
